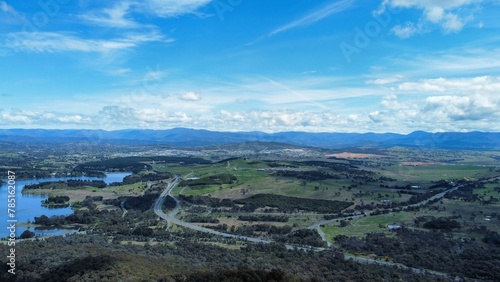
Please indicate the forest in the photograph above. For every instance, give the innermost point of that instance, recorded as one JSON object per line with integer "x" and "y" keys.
{"x": 94, "y": 258}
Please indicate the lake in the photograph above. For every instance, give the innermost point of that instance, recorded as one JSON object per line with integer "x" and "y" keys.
{"x": 29, "y": 206}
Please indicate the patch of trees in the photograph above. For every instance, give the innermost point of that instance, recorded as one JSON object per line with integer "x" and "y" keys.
{"x": 68, "y": 184}
{"x": 387, "y": 207}
{"x": 141, "y": 203}
{"x": 43, "y": 185}
{"x": 442, "y": 223}
{"x": 83, "y": 183}
{"x": 275, "y": 164}
{"x": 385, "y": 178}
{"x": 200, "y": 219}
{"x": 57, "y": 199}
{"x": 143, "y": 231}
{"x": 95, "y": 258}
{"x": 228, "y": 159}
{"x": 266, "y": 218}
{"x": 290, "y": 204}
{"x": 312, "y": 175}
{"x": 27, "y": 234}
{"x": 79, "y": 217}
{"x": 135, "y": 178}
{"x": 256, "y": 230}
{"x": 208, "y": 201}
{"x": 56, "y": 202}
{"x": 492, "y": 238}
{"x": 217, "y": 179}
{"x": 308, "y": 237}
{"x": 466, "y": 193}
{"x": 441, "y": 184}
{"x": 135, "y": 164}
{"x": 236, "y": 275}
{"x": 26, "y": 173}
{"x": 169, "y": 203}
{"x": 431, "y": 250}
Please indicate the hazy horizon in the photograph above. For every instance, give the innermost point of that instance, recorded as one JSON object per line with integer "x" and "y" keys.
{"x": 244, "y": 131}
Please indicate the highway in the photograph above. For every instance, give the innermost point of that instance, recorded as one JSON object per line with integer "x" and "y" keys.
{"x": 170, "y": 218}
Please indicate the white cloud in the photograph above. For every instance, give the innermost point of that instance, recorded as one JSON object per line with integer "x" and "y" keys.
{"x": 450, "y": 15}
{"x": 75, "y": 119}
{"x": 4, "y": 7}
{"x": 386, "y": 80}
{"x": 460, "y": 108}
{"x": 119, "y": 72}
{"x": 481, "y": 84}
{"x": 454, "y": 104}
{"x": 172, "y": 8}
{"x": 116, "y": 16}
{"x": 127, "y": 117}
{"x": 279, "y": 120}
{"x": 405, "y": 31}
{"x": 452, "y": 23}
{"x": 190, "y": 96}
{"x": 38, "y": 118}
{"x": 472, "y": 60}
{"x": 315, "y": 16}
{"x": 38, "y": 42}
{"x": 121, "y": 15}
{"x": 391, "y": 102}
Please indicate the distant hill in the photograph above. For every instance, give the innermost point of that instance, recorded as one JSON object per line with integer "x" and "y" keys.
{"x": 195, "y": 137}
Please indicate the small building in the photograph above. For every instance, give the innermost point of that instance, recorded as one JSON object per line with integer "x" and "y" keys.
{"x": 393, "y": 226}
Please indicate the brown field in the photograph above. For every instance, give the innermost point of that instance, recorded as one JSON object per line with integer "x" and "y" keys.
{"x": 418, "y": 163}
{"x": 347, "y": 155}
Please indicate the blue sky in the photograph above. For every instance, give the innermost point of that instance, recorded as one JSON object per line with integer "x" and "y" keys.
{"x": 244, "y": 65}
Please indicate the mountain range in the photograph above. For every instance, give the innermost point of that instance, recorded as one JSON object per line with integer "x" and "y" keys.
{"x": 197, "y": 137}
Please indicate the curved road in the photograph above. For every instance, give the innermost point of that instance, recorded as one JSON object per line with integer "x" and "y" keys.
{"x": 171, "y": 218}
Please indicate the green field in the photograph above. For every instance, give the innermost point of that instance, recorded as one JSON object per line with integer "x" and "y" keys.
{"x": 360, "y": 227}
{"x": 428, "y": 173}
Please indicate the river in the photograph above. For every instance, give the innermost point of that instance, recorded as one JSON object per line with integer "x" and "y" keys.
{"x": 29, "y": 206}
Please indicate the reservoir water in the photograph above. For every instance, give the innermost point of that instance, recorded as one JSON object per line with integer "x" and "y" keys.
{"x": 29, "y": 206}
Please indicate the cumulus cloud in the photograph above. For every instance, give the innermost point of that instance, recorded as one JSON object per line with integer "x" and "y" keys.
{"x": 391, "y": 102}
{"x": 478, "y": 84}
{"x": 386, "y": 80}
{"x": 128, "y": 117}
{"x": 452, "y": 104}
{"x": 190, "y": 96}
{"x": 41, "y": 118}
{"x": 283, "y": 120}
{"x": 405, "y": 31}
{"x": 455, "y": 104}
{"x": 450, "y": 15}
{"x": 453, "y": 108}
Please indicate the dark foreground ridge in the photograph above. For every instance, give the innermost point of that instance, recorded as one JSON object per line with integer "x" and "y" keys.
{"x": 195, "y": 137}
